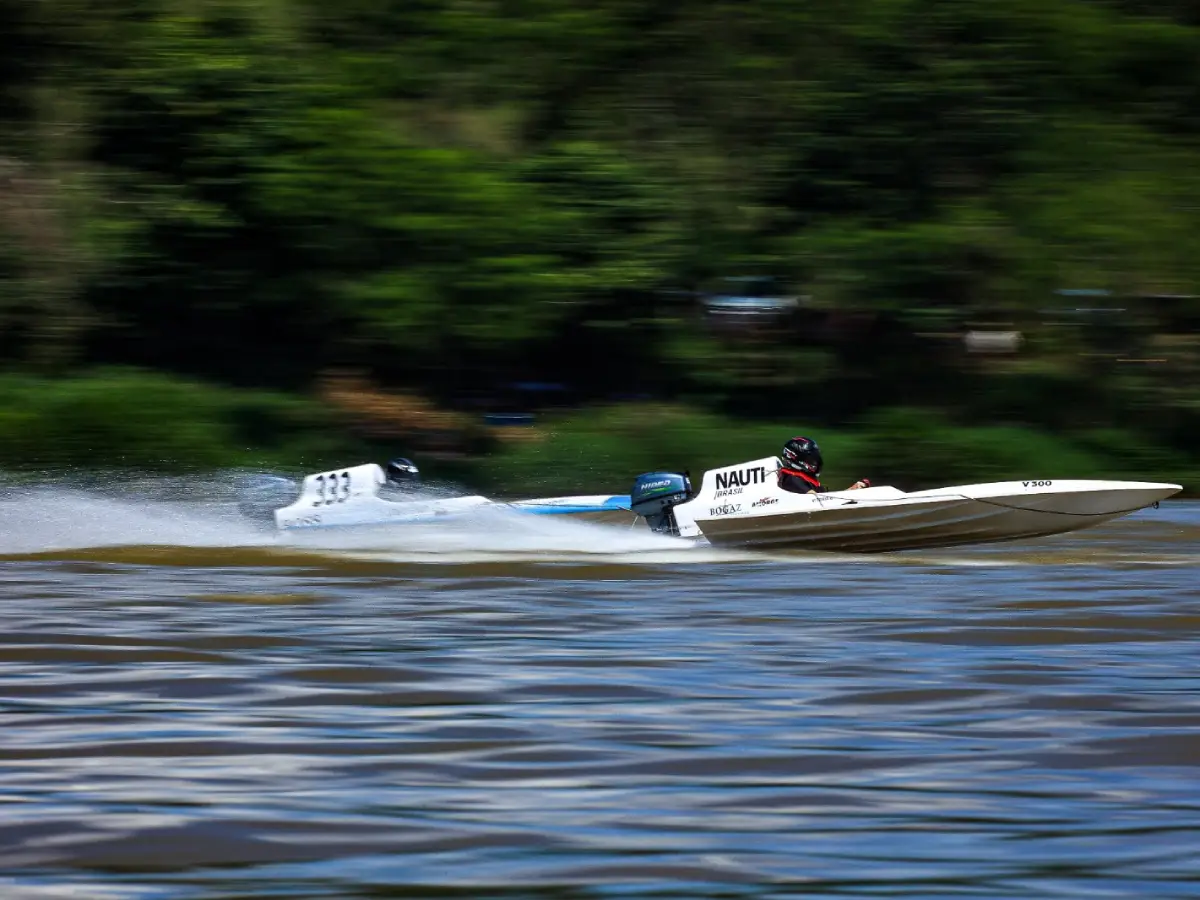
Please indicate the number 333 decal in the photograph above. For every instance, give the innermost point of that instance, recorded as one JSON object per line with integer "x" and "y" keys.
{"x": 333, "y": 487}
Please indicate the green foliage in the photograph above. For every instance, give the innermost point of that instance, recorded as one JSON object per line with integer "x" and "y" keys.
{"x": 125, "y": 419}
{"x": 140, "y": 421}
{"x": 614, "y": 223}
{"x": 916, "y": 448}
{"x": 118, "y": 420}
{"x": 13, "y": 63}
{"x": 424, "y": 253}
{"x": 603, "y": 448}
{"x": 458, "y": 196}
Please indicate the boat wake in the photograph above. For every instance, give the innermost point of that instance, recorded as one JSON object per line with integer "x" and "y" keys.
{"x": 60, "y": 516}
{"x": 69, "y": 517}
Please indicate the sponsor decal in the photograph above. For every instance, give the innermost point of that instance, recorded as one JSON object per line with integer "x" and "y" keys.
{"x": 742, "y": 477}
{"x": 1030, "y": 484}
{"x": 727, "y": 509}
{"x": 728, "y": 492}
{"x": 301, "y": 521}
{"x": 656, "y": 487}
{"x": 765, "y": 501}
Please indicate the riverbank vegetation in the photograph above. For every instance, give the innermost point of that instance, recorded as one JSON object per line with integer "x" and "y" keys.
{"x": 283, "y": 231}
{"x": 124, "y": 420}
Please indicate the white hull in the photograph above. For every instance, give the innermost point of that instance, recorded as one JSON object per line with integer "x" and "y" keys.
{"x": 904, "y": 525}
{"x": 748, "y": 509}
{"x": 350, "y": 497}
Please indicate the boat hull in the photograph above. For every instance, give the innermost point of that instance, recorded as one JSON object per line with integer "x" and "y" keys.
{"x": 353, "y": 498}
{"x": 599, "y": 509}
{"x": 973, "y": 514}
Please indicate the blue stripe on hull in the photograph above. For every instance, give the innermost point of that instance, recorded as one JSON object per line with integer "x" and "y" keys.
{"x": 612, "y": 504}
{"x": 609, "y": 505}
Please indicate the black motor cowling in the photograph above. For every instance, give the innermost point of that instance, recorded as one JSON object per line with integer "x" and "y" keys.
{"x": 653, "y": 496}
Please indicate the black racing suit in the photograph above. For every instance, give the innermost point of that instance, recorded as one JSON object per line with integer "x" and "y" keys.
{"x": 799, "y": 482}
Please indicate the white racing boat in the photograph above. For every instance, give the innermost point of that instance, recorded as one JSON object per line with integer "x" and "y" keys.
{"x": 740, "y": 505}
{"x": 363, "y": 496}
{"x": 743, "y": 505}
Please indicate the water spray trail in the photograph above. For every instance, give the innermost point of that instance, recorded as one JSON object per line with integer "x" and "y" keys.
{"x": 46, "y": 519}
{"x": 63, "y": 515}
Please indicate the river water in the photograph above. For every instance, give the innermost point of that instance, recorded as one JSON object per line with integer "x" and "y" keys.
{"x": 518, "y": 708}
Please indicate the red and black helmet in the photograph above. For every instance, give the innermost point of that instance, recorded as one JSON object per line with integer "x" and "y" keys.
{"x": 803, "y": 454}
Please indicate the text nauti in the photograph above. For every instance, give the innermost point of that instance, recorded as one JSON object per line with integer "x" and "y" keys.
{"x": 742, "y": 477}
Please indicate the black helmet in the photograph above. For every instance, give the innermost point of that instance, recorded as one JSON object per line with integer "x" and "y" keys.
{"x": 401, "y": 471}
{"x": 802, "y": 453}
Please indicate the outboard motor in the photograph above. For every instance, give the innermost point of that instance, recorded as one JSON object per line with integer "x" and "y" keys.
{"x": 655, "y": 494}
{"x": 260, "y": 495}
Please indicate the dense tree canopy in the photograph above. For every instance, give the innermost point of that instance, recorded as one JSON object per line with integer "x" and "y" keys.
{"x": 441, "y": 192}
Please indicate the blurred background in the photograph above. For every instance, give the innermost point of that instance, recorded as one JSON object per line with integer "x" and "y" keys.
{"x": 549, "y": 243}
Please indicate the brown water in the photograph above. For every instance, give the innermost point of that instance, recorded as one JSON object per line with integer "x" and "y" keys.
{"x": 514, "y": 708}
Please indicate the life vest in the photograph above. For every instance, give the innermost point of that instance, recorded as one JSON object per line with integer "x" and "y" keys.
{"x": 803, "y": 476}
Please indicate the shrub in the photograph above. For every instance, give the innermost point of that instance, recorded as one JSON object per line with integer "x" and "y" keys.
{"x": 129, "y": 419}
{"x": 603, "y": 448}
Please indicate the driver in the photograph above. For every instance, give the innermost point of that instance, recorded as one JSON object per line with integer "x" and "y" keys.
{"x": 802, "y": 464}
{"x": 402, "y": 473}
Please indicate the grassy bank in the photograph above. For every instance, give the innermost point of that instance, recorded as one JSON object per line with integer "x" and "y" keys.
{"x": 140, "y": 421}
{"x": 908, "y": 448}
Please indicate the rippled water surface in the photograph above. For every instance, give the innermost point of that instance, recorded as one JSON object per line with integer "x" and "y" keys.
{"x": 510, "y": 708}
